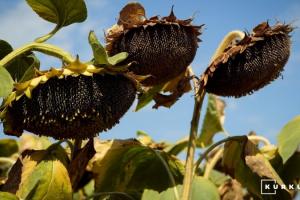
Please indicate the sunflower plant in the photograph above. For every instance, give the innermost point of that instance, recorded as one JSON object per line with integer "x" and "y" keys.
{"x": 148, "y": 59}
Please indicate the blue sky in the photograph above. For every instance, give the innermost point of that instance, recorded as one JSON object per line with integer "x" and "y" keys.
{"x": 265, "y": 112}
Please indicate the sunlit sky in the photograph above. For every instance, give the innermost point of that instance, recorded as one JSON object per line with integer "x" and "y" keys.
{"x": 265, "y": 112}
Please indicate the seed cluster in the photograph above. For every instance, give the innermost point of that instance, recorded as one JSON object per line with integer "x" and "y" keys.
{"x": 74, "y": 107}
{"x": 162, "y": 51}
{"x": 252, "y": 68}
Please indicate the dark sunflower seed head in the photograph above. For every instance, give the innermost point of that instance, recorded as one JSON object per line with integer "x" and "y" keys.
{"x": 252, "y": 63}
{"x": 162, "y": 48}
{"x": 73, "y": 107}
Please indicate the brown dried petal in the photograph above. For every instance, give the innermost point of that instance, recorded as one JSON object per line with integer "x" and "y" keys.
{"x": 132, "y": 14}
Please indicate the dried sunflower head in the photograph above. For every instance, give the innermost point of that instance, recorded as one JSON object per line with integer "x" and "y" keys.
{"x": 162, "y": 48}
{"x": 250, "y": 64}
{"x": 77, "y": 101}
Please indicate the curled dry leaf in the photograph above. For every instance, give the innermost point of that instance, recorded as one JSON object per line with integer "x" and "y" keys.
{"x": 132, "y": 14}
{"x": 244, "y": 162}
{"x": 177, "y": 87}
{"x": 231, "y": 190}
{"x": 259, "y": 165}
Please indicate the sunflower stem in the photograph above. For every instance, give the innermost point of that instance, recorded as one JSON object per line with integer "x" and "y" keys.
{"x": 259, "y": 139}
{"x": 189, "y": 165}
{"x": 212, "y": 163}
{"x": 226, "y": 41}
{"x": 40, "y": 47}
{"x": 198, "y": 101}
{"x": 76, "y": 148}
{"x": 48, "y": 35}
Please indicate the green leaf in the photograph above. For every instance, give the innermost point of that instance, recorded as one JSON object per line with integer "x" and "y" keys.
{"x": 151, "y": 194}
{"x": 140, "y": 133}
{"x": 44, "y": 175}
{"x": 290, "y": 171}
{"x": 60, "y": 12}
{"x": 178, "y": 147}
{"x": 5, "y": 48}
{"x": 100, "y": 54}
{"x": 22, "y": 68}
{"x": 202, "y": 188}
{"x": 117, "y": 58}
{"x": 233, "y": 161}
{"x": 8, "y": 196}
{"x": 88, "y": 191}
{"x": 217, "y": 177}
{"x": 145, "y": 98}
{"x": 5, "y": 166}
{"x": 289, "y": 138}
{"x": 144, "y": 138}
{"x": 6, "y": 82}
{"x": 213, "y": 121}
{"x": 32, "y": 65}
{"x": 8, "y": 147}
{"x": 129, "y": 167}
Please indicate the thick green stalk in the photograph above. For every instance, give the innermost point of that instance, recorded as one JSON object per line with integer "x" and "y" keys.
{"x": 189, "y": 166}
{"x": 40, "y": 47}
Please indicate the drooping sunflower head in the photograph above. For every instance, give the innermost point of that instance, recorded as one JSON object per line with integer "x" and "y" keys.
{"x": 77, "y": 101}
{"x": 161, "y": 48}
{"x": 252, "y": 63}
